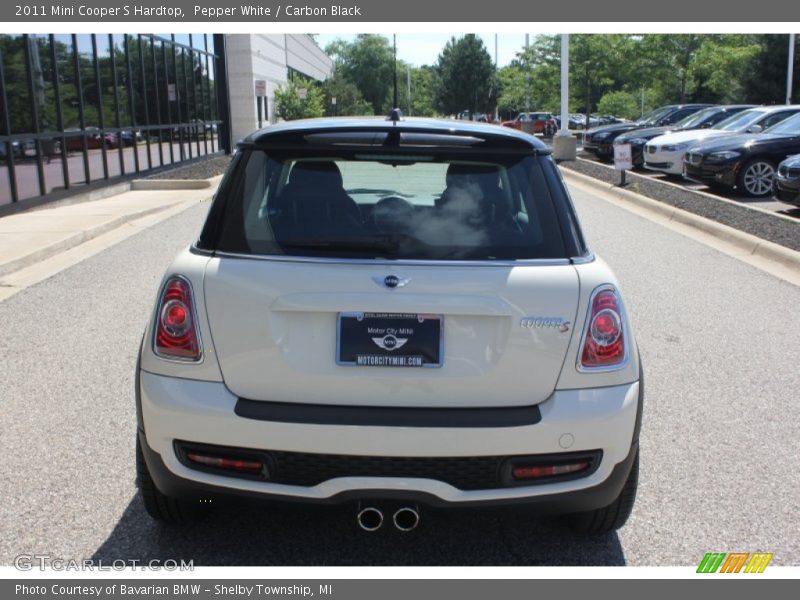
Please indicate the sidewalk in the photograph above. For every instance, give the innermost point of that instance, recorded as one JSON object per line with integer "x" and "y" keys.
{"x": 29, "y": 238}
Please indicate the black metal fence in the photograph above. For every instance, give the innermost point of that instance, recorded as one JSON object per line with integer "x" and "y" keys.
{"x": 84, "y": 108}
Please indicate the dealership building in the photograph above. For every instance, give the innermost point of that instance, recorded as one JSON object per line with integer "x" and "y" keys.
{"x": 80, "y": 111}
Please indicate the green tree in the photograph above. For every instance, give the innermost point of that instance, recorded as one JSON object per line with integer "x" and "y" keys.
{"x": 368, "y": 63}
{"x": 598, "y": 65}
{"x": 620, "y": 104}
{"x": 765, "y": 77}
{"x": 349, "y": 101}
{"x": 290, "y": 106}
{"x": 672, "y": 59}
{"x": 721, "y": 67}
{"x": 465, "y": 77}
{"x": 422, "y": 89}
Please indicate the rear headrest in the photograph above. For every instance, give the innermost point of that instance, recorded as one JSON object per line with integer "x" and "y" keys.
{"x": 483, "y": 175}
{"x": 315, "y": 175}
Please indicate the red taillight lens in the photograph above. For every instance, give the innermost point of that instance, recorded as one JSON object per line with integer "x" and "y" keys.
{"x": 176, "y": 333}
{"x": 229, "y": 464}
{"x": 548, "y": 470}
{"x": 604, "y": 339}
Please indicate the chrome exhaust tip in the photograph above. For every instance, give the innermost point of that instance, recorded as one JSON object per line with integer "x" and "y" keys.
{"x": 370, "y": 518}
{"x": 406, "y": 518}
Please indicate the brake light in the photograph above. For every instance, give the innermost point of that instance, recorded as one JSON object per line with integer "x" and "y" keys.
{"x": 176, "y": 327}
{"x": 604, "y": 338}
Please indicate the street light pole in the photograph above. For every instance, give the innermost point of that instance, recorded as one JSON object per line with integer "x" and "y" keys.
{"x": 527, "y": 76}
{"x": 408, "y": 86}
{"x": 790, "y": 70}
{"x": 394, "y": 41}
{"x": 564, "y": 84}
{"x": 496, "y": 107}
{"x": 564, "y": 144}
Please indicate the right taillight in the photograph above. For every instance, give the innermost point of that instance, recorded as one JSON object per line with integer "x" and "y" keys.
{"x": 176, "y": 335}
{"x": 604, "y": 335}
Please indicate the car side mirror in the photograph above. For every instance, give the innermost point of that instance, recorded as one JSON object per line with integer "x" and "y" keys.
{"x": 755, "y": 129}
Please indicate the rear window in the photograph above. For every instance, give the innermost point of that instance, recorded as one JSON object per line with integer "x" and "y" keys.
{"x": 430, "y": 207}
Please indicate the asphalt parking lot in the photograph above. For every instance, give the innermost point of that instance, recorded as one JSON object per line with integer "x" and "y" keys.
{"x": 719, "y": 453}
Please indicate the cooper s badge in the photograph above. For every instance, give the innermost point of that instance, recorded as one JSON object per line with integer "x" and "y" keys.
{"x": 545, "y": 323}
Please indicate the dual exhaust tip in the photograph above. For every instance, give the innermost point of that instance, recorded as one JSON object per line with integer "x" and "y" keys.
{"x": 371, "y": 518}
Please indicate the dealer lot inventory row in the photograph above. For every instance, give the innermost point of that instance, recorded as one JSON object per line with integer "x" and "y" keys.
{"x": 735, "y": 147}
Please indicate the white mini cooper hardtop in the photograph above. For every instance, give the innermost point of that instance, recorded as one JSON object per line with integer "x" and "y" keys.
{"x": 391, "y": 313}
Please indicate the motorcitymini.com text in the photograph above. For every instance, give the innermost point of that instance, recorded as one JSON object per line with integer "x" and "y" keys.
{"x": 178, "y": 589}
{"x": 29, "y": 562}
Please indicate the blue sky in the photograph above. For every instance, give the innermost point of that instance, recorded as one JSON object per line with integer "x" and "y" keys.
{"x": 424, "y": 48}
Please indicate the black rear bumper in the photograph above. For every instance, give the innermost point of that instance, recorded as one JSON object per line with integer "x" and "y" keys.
{"x": 599, "y": 496}
{"x": 576, "y": 501}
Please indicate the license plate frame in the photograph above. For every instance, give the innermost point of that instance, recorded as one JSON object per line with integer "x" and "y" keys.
{"x": 373, "y": 339}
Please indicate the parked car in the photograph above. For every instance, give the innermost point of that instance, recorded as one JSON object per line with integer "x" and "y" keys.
{"x": 786, "y": 185}
{"x": 18, "y": 149}
{"x": 702, "y": 118}
{"x": 600, "y": 140}
{"x": 127, "y": 137}
{"x": 539, "y": 122}
{"x": 94, "y": 140}
{"x": 609, "y": 120}
{"x": 397, "y": 313}
{"x": 746, "y": 162}
{"x": 578, "y": 121}
{"x": 665, "y": 153}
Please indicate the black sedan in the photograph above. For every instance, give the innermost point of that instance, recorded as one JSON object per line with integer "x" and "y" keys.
{"x": 786, "y": 185}
{"x": 600, "y": 140}
{"x": 747, "y": 162}
{"x": 702, "y": 118}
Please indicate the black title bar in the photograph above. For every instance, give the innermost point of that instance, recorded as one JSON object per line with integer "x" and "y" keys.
{"x": 467, "y": 11}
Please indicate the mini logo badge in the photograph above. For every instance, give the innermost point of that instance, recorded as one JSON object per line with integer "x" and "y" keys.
{"x": 389, "y": 342}
{"x": 391, "y": 281}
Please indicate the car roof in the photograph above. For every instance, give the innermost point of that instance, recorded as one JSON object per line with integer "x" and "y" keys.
{"x": 498, "y": 136}
{"x": 777, "y": 107}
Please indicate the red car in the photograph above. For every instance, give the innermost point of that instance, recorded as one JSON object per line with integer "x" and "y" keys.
{"x": 534, "y": 122}
{"x": 93, "y": 140}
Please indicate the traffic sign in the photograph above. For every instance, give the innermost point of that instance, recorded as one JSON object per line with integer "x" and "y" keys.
{"x": 623, "y": 161}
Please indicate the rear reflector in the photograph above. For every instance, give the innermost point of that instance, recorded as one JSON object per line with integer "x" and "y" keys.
{"x": 253, "y": 467}
{"x": 540, "y": 471}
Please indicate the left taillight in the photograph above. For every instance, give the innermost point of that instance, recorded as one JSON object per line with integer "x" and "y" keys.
{"x": 604, "y": 345}
{"x": 176, "y": 333}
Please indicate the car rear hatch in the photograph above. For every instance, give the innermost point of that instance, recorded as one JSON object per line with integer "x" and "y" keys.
{"x": 392, "y": 264}
{"x": 499, "y": 335}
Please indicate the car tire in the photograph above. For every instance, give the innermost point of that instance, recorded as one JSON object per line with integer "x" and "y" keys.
{"x": 755, "y": 178}
{"x": 609, "y": 518}
{"x": 160, "y": 507}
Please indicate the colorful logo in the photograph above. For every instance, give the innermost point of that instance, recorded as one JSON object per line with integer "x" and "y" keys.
{"x": 734, "y": 562}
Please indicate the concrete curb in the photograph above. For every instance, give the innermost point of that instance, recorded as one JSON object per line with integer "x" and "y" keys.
{"x": 74, "y": 240}
{"x": 169, "y": 184}
{"x": 746, "y": 242}
{"x": 700, "y": 193}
